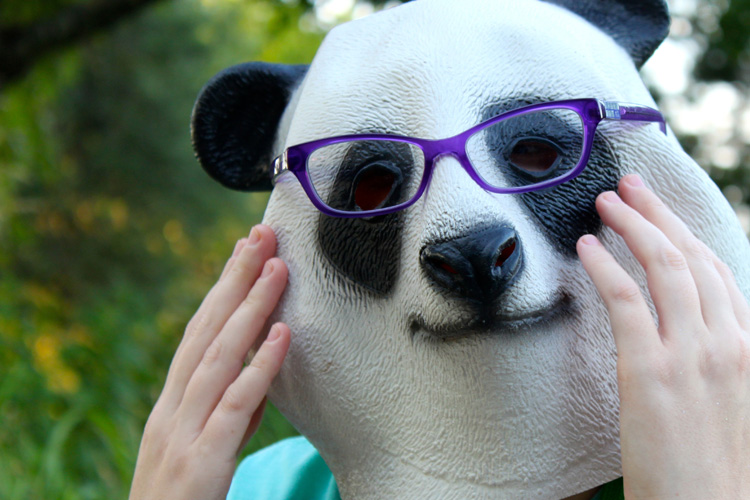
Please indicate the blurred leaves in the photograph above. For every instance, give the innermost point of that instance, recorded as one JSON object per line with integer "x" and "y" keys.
{"x": 111, "y": 234}
{"x": 711, "y": 115}
{"x": 29, "y": 30}
{"x": 727, "y": 56}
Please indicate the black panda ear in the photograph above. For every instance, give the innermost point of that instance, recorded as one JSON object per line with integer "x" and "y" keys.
{"x": 639, "y": 26}
{"x": 235, "y": 121}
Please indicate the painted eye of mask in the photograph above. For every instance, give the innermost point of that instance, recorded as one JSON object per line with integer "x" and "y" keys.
{"x": 528, "y": 147}
{"x": 535, "y": 156}
{"x": 371, "y": 174}
{"x": 374, "y": 186}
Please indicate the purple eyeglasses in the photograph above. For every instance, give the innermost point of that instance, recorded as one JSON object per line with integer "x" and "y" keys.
{"x": 526, "y": 149}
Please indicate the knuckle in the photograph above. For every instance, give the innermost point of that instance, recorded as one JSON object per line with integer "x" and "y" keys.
{"x": 179, "y": 463}
{"x": 259, "y": 364}
{"x": 672, "y": 258}
{"x": 197, "y": 324}
{"x": 724, "y": 270}
{"x": 264, "y": 369}
{"x": 204, "y": 451}
{"x": 708, "y": 362}
{"x": 155, "y": 434}
{"x": 653, "y": 206}
{"x": 736, "y": 355}
{"x": 696, "y": 249}
{"x": 626, "y": 292}
{"x": 239, "y": 268}
{"x": 232, "y": 401}
{"x": 192, "y": 325}
{"x": 252, "y": 300}
{"x": 213, "y": 352}
{"x": 601, "y": 258}
{"x": 723, "y": 361}
{"x": 663, "y": 372}
{"x": 257, "y": 304}
{"x": 152, "y": 428}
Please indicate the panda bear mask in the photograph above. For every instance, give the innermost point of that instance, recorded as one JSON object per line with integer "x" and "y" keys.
{"x": 413, "y": 383}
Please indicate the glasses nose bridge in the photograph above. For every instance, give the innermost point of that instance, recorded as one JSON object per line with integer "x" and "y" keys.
{"x": 451, "y": 147}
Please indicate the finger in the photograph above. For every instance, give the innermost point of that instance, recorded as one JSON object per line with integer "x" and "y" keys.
{"x": 254, "y": 424}
{"x": 176, "y": 381}
{"x": 235, "y": 282}
{"x": 228, "y": 424}
{"x": 215, "y": 310}
{"x": 207, "y": 299}
{"x": 715, "y": 302}
{"x": 669, "y": 280}
{"x": 225, "y": 356}
{"x": 632, "y": 325}
{"x": 739, "y": 303}
{"x": 237, "y": 248}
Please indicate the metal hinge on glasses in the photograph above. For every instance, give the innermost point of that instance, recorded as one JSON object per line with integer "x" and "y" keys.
{"x": 279, "y": 166}
{"x": 609, "y": 110}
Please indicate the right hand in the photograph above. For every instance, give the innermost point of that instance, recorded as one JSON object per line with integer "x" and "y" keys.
{"x": 211, "y": 405}
{"x": 684, "y": 381}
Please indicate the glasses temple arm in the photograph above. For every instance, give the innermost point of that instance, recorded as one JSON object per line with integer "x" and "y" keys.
{"x": 612, "y": 110}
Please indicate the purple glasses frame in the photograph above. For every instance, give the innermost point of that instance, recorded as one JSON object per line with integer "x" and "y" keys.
{"x": 591, "y": 111}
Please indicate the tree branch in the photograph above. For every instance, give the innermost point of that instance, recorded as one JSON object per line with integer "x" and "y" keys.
{"x": 21, "y": 46}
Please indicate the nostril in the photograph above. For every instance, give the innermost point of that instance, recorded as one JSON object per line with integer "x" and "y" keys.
{"x": 439, "y": 261}
{"x": 443, "y": 260}
{"x": 478, "y": 266}
{"x": 505, "y": 253}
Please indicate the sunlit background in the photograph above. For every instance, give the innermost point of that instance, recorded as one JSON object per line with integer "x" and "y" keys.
{"x": 110, "y": 233}
{"x": 700, "y": 77}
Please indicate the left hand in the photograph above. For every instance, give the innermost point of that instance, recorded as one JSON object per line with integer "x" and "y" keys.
{"x": 684, "y": 385}
{"x": 211, "y": 403}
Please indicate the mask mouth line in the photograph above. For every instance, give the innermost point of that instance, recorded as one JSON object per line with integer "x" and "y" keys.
{"x": 492, "y": 324}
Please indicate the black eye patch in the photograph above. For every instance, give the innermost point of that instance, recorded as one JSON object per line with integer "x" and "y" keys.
{"x": 565, "y": 212}
{"x": 529, "y": 147}
{"x": 371, "y": 174}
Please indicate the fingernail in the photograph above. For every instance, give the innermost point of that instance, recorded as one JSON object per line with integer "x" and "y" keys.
{"x": 634, "y": 180}
{"x": 611, "y": 197}
{"x": 254, "y": 236}
{"x": 589, "y": 240}
{"x": 267, "y": 269}
{"x": 274, "y": 334}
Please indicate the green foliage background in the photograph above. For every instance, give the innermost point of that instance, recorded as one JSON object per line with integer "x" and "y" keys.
{"x": 110, "y": 233}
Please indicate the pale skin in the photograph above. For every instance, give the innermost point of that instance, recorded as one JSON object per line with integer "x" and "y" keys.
{"x": 684, "y": 385}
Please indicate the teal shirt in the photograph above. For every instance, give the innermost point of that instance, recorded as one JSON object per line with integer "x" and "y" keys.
{"x": 293, "y": 469}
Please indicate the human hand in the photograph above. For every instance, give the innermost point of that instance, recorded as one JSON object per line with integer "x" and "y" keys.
{"x": 211, "y": 405}
{"x": 684, "y": 385}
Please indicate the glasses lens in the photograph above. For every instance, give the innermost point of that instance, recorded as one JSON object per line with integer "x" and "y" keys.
{"x": 366, "y": 175}
{"x": 528, "y": 148}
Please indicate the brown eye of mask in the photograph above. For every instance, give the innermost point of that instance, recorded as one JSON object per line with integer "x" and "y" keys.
{"x": 534, "y": 155}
